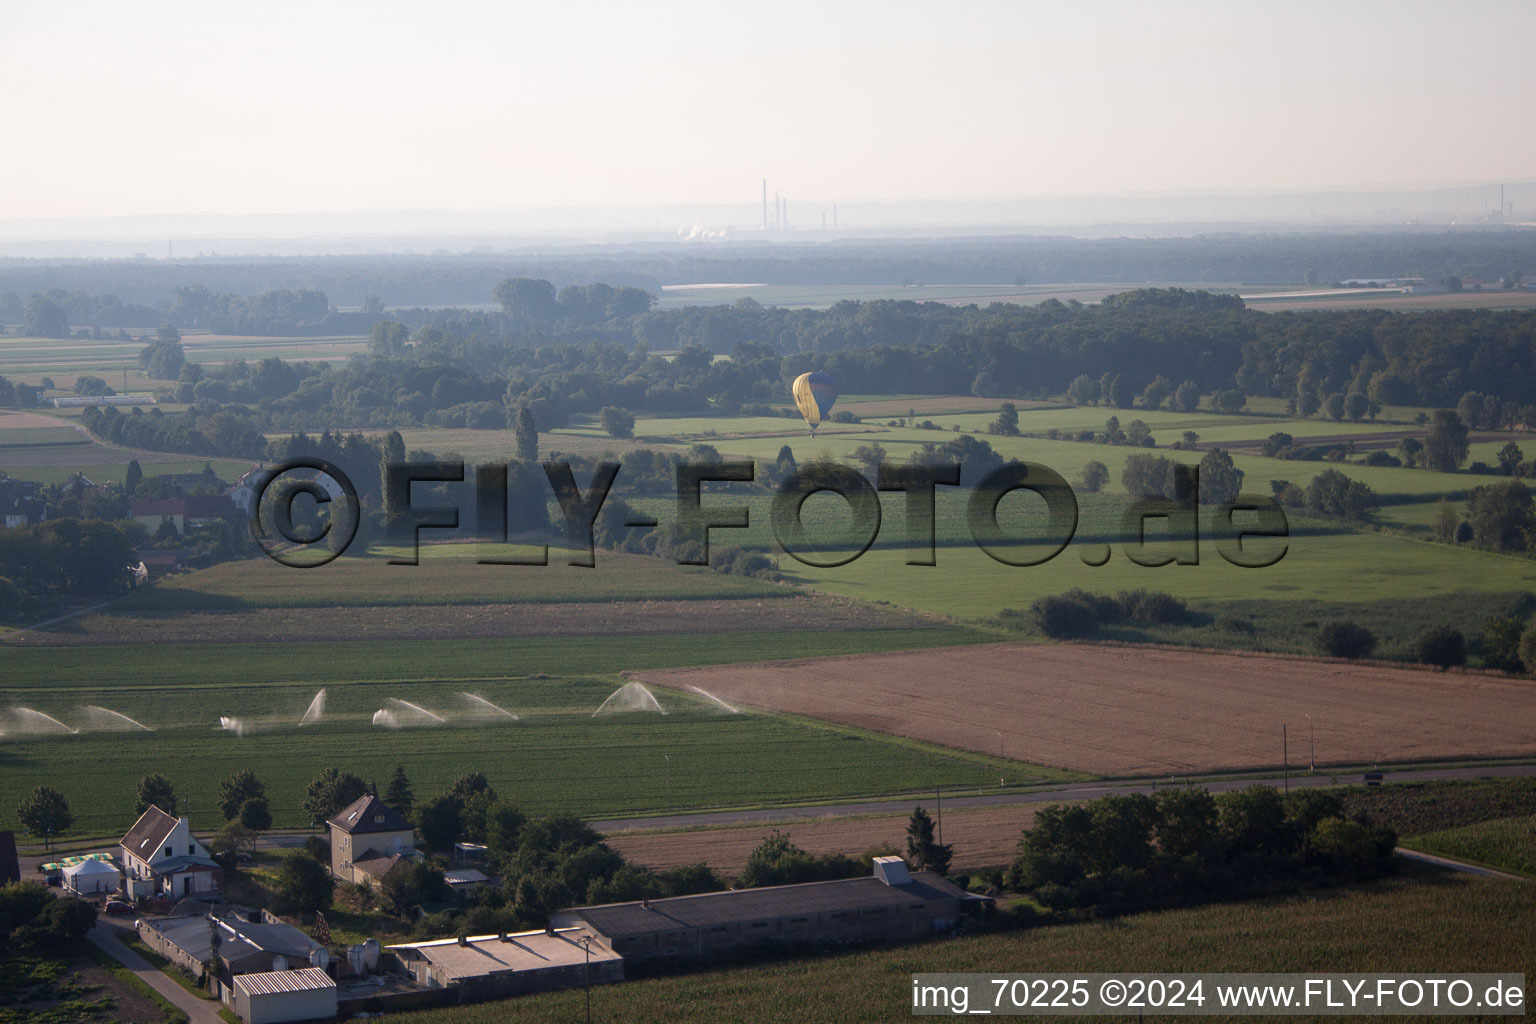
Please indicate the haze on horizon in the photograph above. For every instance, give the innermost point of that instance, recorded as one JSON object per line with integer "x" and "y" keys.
{"x": 283, "y": 107}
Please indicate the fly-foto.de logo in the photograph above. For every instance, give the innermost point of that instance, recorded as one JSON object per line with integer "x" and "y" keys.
{"x": 1250, "y": 531}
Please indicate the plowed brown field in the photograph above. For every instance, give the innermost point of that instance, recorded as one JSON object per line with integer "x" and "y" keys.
{"x": 1142, "y": 711}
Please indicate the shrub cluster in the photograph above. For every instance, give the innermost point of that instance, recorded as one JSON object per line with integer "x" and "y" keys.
{"x": 1344, "y": 639}
{"x": 1078, "y": 613}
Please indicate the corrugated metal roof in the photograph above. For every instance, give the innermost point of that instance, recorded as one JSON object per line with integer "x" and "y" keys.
{"x": 524, "y": 951}
{"x": 307, "y": 979}
{"x": 738, "y": 905}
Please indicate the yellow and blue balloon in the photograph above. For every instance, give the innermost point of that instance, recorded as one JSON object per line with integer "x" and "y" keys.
{"x": 814, "y": 394}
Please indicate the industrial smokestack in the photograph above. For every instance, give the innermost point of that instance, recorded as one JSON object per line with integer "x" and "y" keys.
{"x": 765, "y": 204}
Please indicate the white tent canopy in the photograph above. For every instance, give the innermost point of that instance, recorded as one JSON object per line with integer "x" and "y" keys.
{"x": 92, "y": 876}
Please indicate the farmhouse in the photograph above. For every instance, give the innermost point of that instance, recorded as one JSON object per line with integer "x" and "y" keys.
{"x": 367, "y": 839}
{"x": 161, "y": 857}
{"x": 497, "y": 966}
{"x": 232, "y": 947}
{"x": 279, "y": 996}
{"x": 888, "y": 904}
{"x": 191, "y": 512}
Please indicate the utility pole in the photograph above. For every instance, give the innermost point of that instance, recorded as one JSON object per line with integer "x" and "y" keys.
{"x": 939, "y": 800}
{"x": 1285, "y": 757}
{"x": 669, "y": 780}
{"x": 1311, "y": 746}
{"x": 586, "y": 974}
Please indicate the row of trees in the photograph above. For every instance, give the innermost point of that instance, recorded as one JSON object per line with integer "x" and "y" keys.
{"x": 1120, "y": 854}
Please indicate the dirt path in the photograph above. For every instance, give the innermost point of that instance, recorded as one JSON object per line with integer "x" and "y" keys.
{"x": 1457, "y": 865}
{"x": 198, "y": 1011}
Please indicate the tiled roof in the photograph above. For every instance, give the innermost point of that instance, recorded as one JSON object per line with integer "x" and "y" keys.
{"x": 369, "y": 814}
{"x": 149, "y": 833}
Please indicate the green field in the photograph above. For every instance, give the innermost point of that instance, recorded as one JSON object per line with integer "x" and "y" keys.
{"x": 557, "y": 756}
{"x": 64, "y": 359}
{"x": 1426, "y": 922}
{"x": 446, "y": 575}
{"x": 1344, "y": 567}
{"x": 1508, "y": 843}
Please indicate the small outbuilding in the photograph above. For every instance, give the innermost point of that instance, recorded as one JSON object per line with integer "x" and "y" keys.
{"x": 92, "y": 878}
{"x": 274, "y": 997}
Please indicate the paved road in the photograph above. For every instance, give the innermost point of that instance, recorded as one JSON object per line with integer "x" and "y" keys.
{"x": 198, "y": 1011}
{"x": 1054, "y": 794}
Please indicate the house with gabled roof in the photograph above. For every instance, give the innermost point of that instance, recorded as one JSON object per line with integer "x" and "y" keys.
{"x": 161, "y": 857}
{"x": 368, "y": 837}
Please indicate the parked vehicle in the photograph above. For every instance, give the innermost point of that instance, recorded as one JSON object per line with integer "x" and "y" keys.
{"x": 118, "y": 908}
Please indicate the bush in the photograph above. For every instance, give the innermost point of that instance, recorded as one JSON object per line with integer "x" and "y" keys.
{"x": 1344, "y": 639}
{"x": 1152, "y": 606}
{"x": 1343, "y": 846}
{"x": 1442, "y": 646}
{"x": 1528, "y": 648}
{"x": 1063, "y": 616}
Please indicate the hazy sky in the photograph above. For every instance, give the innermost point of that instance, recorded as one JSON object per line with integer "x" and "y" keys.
{"x": 209, "y": 107}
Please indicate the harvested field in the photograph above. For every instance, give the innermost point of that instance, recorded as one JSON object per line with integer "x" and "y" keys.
{"x": 587, "y": 618}
{"x": 37, "y": 421}
{"x": 981, "y": 836}
{"x": 1121, "y": 711}
{"x": 1387, "y": 298}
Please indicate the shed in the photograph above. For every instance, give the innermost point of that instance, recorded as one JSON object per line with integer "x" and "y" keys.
{"x": 278, "y": 996}
{"x": 92, "y": 878}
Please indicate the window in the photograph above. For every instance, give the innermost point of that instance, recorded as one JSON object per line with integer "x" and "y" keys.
{"x": 759, "y": 924}
{"x": 191, "y": 849}
{"x": 167, "y": 851}
{"x": 378, "y": 819}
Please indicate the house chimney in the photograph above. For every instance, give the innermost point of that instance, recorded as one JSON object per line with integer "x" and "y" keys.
{"x": 463, "y": 939}
{"x": 645, "y": 902}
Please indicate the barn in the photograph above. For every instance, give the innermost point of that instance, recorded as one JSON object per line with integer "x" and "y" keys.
{"x": 274, "y": 997}
{"x": 890, "y": 904}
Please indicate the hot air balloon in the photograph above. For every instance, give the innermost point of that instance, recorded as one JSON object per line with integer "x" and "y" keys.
{"x": 814, "y": 394}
